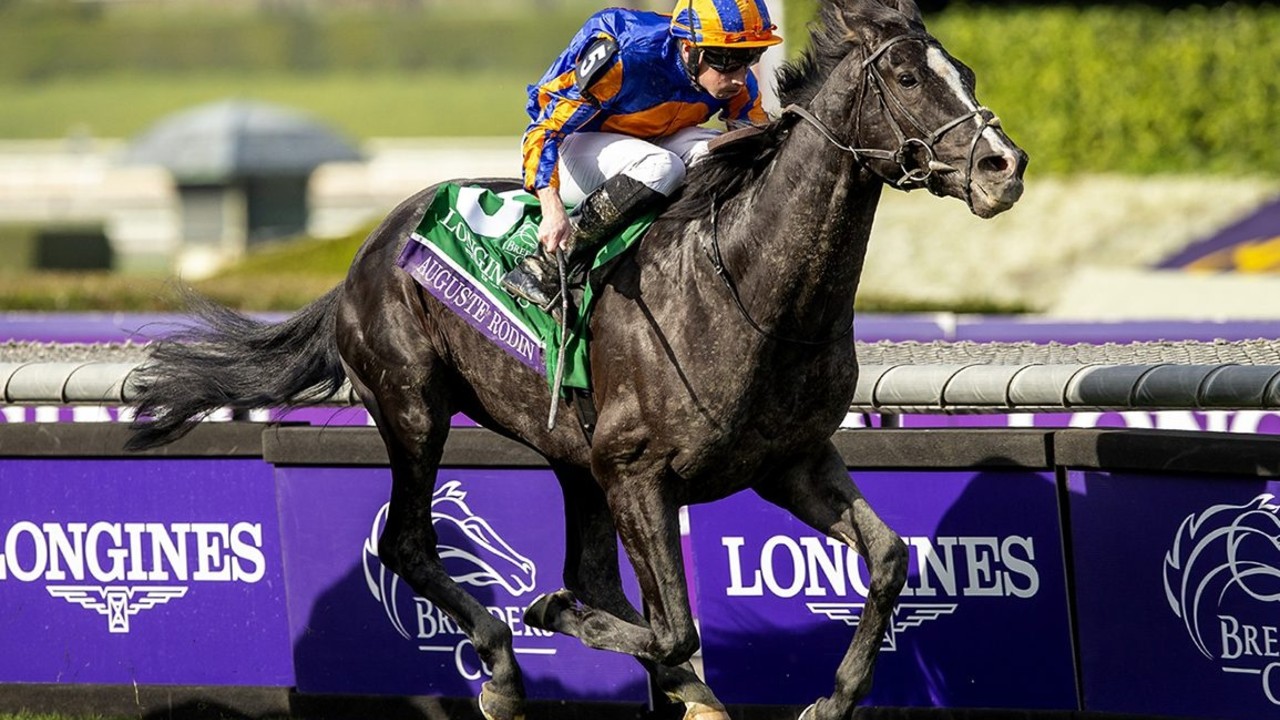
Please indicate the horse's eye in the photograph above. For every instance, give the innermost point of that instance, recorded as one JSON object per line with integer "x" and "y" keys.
{"x": 907, "y": 80}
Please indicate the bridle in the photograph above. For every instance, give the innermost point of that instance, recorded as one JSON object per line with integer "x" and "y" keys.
{"x": 722, "y": 271}
{"x": 915, "y": 156}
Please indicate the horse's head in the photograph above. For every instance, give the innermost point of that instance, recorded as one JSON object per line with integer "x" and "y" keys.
{"x": 892, "y": 95}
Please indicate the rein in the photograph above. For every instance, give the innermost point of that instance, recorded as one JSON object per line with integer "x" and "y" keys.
{"x": 908, "y": 147}
{"x": 717, "y": 262}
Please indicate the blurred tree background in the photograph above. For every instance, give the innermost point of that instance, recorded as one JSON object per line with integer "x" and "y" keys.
{"x": 1086, "y": 87}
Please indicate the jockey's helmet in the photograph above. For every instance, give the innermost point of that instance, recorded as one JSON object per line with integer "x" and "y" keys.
{"x": 724, "y": 23}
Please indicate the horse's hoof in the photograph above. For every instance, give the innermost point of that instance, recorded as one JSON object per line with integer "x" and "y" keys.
{"x": 809, "y": 713}
{"x": 496, "y": 706}
{"x": 698, "y": 711}
{"x": 545, "y": 608}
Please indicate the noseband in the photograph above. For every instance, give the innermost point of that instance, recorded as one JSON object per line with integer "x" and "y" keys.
{"x": 916, "y": 172}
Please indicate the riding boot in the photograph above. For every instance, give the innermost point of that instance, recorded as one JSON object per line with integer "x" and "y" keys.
{"x": 598, "y": 218}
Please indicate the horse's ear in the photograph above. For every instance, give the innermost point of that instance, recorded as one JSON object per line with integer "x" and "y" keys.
{"x": 857, "y": 12}
{"x": 908, "y": 8}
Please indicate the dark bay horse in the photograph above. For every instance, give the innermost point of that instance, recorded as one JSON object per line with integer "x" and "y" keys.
{"x": 721, "y": 356}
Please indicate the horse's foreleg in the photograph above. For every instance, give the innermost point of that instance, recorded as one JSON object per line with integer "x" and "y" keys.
{"x": 592, "y": 577}
{"x": 819, "y": 492}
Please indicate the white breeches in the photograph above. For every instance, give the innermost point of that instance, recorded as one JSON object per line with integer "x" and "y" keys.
{"x": 587, "y": 159}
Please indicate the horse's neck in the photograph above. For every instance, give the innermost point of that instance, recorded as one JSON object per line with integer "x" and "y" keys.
{"x": 801, "y": 236}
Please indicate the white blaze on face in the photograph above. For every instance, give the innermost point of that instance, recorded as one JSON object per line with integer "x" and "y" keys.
{"x": 942, "y": 66}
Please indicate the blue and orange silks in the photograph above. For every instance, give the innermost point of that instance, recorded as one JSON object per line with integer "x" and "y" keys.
{"x": 644, "y": 92}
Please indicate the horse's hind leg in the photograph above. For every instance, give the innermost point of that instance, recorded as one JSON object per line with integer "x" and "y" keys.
{"x": 648, "y": 523}
{"x": 819, "y": 492}
{"x": 594, "y": 586}
{"x": 414, "y": 426}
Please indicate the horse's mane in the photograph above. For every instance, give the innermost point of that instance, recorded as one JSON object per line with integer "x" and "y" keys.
{"x": 724, "y": 172}
{"x": 829, "y": 42}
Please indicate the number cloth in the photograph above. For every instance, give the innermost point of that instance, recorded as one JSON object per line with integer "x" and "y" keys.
{"x": 468, "y": 239}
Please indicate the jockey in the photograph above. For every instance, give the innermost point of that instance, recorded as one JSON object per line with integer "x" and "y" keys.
{"x": 615, "y": 121}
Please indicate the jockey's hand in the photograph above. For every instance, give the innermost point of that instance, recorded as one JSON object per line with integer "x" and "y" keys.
{"x": 555, "y": 231}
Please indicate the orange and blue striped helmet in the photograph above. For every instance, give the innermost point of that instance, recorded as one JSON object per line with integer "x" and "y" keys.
{"x": 724, "y": 23}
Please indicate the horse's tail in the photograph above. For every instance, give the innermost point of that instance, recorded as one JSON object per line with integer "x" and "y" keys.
{"x": 234, "y": 361}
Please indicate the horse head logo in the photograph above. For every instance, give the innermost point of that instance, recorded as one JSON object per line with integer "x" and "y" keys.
{"x": 1228, "y": 553}
{"x": 472, "y": 552}
{"x": 480, "y": 556}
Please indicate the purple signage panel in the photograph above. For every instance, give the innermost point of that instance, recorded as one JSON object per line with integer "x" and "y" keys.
{"x": 154, "y": 572}
{"x": 983, "y": 620}
{"x": 1178, "y": 588}
{"x": 357, "y": 628}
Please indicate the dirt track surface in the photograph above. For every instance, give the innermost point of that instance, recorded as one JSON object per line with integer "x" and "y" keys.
{"x": 27, "y": 352}
{"x": 1248, "y": 352}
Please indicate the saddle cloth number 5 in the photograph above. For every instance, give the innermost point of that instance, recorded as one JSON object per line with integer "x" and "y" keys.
{"x": 498, "y": 224}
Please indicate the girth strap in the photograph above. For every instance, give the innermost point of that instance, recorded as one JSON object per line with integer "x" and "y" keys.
{"x": 584, "y": 405}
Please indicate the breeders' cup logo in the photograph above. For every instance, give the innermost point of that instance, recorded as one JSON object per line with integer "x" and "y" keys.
{"x": 1222, "y": 578}
{"x": 474, "y": 554}
{"x": 129, "y": 567}
{"x": 944, "y": 568}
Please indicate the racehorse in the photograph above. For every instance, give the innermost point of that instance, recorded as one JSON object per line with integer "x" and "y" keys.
{"x": 721, "y": 356}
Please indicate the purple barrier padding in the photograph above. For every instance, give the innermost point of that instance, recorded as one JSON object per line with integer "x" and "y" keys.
{"x": 1030, "y": 329}
{"x": 61, "y": 413}
{"x": 1015, "y": 328}
{"x": 983, "y": 621}
{"x": 1266, "y": 422}
{"x": 320, "y": 416}
{"x": 1263, "y": 422}
{"x": 1178, "y": 594}
{"x": 96, "y": 327}
{"x": 357, "y": 628}
{"x": 324, "y": 416}
{"x": 152, "y": 571}
{"x": 874, "y": 327}
{"x": 345, "y": 416}
{"x": 142, "y": 327}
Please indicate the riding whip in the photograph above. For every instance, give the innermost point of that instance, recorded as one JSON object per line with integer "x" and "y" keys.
{"x": 564, "y": 341}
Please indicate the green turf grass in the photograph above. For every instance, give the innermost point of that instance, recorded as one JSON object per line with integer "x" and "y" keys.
{"x": 361, "y": 106}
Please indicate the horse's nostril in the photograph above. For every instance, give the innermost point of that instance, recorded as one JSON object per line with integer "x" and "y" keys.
{"x": 996, "y": 164}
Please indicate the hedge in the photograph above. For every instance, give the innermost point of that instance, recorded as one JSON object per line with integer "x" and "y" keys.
{"x": 1130, "y": 90}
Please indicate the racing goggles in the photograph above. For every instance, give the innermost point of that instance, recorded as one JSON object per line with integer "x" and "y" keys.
{"x": 730, "y": 60}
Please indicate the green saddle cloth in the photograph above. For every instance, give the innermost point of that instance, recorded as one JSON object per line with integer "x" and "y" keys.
{"x": 468, "y": 239}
